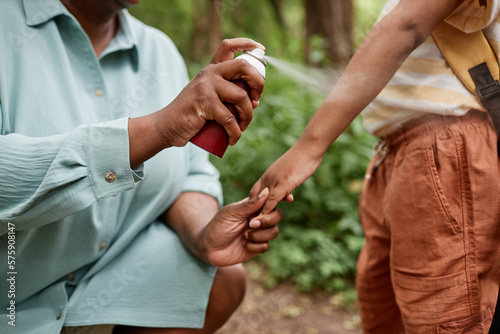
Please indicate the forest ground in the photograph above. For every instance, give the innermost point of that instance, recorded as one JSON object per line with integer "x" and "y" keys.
{"x": 284, "y": 310}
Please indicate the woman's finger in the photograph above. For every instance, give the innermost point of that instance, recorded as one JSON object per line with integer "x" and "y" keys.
{"x": 241, "y": 69}
{"x": 262, "y": 235}
{"x": 267, "y": 220}
{"x": 257, "y": 248}
{"x": 229, "y": 47}
{"x": 236, "y": 97}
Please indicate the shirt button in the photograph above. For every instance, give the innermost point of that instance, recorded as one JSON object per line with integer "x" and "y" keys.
{"x": 102, "y": 245}
{"x": 59, "y": 316}
{"x": 99, "y": 92}
{"x": 70, "y": 277}
{"x": 110, "y": 177}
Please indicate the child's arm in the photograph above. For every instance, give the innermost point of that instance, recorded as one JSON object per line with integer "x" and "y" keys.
{"x": 378, "y": 58}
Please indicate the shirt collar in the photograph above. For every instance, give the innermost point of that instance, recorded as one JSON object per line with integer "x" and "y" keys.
{"x": 125, "y": 38}
{"x": 41, "y": 11}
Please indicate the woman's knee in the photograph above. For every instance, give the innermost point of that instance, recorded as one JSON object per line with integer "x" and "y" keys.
{"x": 227, "y": 293}
{"x": 231, "y": 282}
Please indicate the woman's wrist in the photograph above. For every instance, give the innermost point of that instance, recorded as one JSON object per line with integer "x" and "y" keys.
{"x": 200, "y": 246}
{"x": 144, "y": 139}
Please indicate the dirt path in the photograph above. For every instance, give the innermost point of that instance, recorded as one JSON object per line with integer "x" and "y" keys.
{"x": 285, "y": 311}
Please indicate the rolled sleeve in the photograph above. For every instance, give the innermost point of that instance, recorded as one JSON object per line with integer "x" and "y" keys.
{"x": 470, "y": 16}
{"x": 54, "y": 177}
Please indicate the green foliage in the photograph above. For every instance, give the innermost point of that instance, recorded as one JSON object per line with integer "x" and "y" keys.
{"x": 366, "y": 13}
{"x": 172, "y": 17}
{"x": 320, "y": 235}
{"x": 253, "y": 19}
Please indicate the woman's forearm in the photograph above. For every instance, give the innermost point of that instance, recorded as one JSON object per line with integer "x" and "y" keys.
{"x": 188, "y": 216}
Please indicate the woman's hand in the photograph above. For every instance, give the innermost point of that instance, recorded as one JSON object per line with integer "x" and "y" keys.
{"x": 201, "y": 100}
{"x": 228, "y": 238}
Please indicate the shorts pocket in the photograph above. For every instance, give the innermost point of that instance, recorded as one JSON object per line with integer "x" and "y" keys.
{"x": 478, "y": 324}
{"x": 448, "y": 178}
{"x": 429, "y": 301}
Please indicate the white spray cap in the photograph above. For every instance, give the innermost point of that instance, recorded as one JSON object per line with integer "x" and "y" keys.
{"x": 256, "y": 58}
{"x": 257, "y": 52}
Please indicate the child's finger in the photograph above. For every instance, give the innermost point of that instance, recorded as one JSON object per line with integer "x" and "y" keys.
{"x": 271, "y": 203}
{"x": 255, "y": 189}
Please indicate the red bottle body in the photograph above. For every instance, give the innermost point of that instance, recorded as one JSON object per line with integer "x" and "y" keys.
{"x": 213, "y": 137}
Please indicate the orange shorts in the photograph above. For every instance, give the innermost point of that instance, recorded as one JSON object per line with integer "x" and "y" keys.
{"x": 431, "y": 216}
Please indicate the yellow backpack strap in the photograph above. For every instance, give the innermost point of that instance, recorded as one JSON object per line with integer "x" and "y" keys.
{"x": 464, "y": 51}
{"x": 473, "y": 60}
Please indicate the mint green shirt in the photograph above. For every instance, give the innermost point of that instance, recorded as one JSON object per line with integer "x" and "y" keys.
{"x": 88, "y": 246}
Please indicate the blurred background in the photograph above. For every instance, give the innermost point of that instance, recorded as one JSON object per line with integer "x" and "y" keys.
{"x": 310, "y": 268}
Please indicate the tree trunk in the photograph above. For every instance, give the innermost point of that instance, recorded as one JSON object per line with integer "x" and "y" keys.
{"x": 277, "y": 7}
{"x": 215, "y": 29}
{"x": 332, "y": 20}
{"x": 207, "y": 31}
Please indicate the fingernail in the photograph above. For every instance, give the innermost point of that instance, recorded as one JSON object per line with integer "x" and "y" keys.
{"x": 266, "y": 189}
{"x": 254, "y": 223}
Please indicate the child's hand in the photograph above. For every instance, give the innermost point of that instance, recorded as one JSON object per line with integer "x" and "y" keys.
{"x": 286, "y": 174}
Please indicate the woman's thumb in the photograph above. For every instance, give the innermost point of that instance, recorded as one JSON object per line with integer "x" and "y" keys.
{"x": 254, "y": 204}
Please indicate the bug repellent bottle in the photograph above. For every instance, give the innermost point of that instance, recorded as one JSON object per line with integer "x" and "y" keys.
{"x": 213, "y": 137}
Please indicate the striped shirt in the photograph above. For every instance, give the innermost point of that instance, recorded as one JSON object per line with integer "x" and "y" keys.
{"x": 425, "y": 83}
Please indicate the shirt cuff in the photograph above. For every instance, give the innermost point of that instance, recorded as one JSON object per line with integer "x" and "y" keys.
{"x": 108, "y": 159}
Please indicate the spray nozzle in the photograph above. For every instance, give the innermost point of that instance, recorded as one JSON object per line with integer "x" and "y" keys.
{"x": 257, "y": 54}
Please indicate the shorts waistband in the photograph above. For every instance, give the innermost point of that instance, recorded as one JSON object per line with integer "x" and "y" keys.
{"x": 434, "y": 123}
